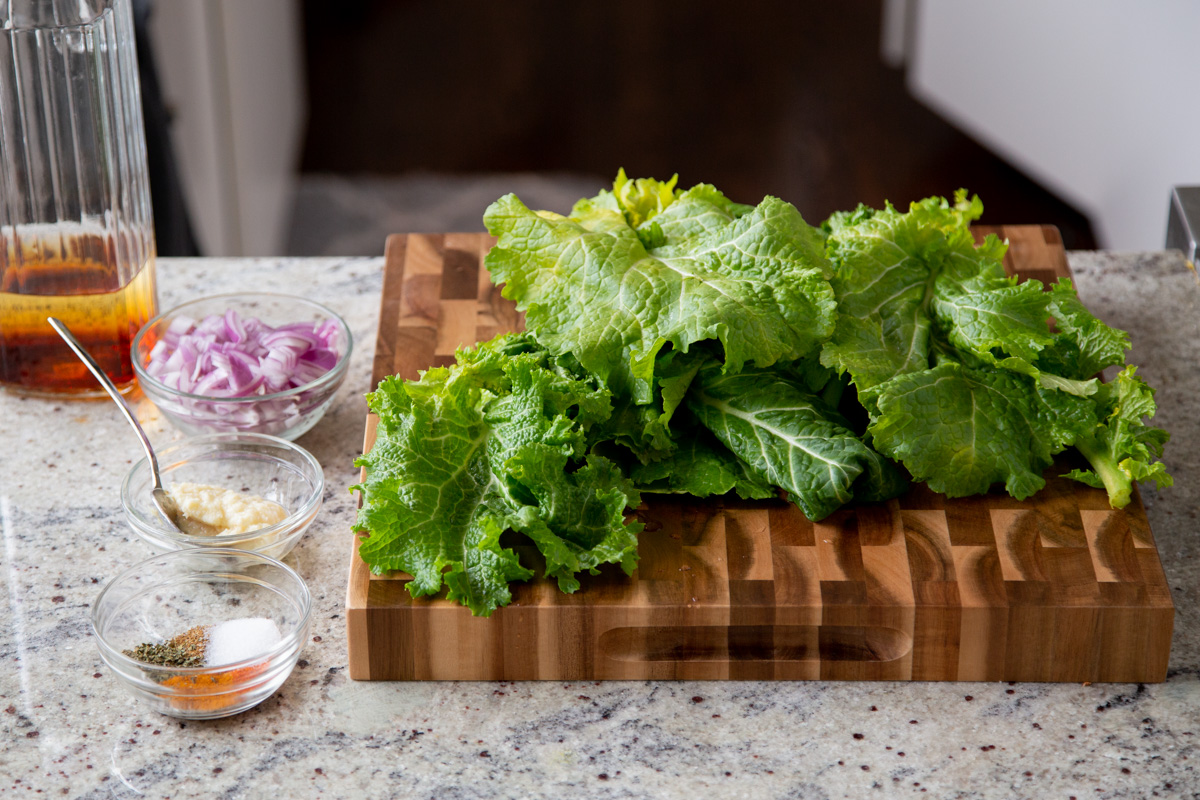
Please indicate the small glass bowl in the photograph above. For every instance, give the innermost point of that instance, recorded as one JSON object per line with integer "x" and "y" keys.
{"x": 251, "y": 463}
{"x": 167, "y": 595}
{"x": 286, "y": 414}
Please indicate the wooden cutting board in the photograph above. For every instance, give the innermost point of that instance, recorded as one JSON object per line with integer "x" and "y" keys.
{"x": 1058, "y": 587}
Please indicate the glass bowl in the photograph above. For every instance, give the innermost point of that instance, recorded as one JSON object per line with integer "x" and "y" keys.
{"x": 251, "y": 463}
{"x": 286, "y": 414}
{"x": 169, "y": 594}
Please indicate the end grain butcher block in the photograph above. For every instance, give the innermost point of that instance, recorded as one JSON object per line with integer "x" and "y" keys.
{"x": 1058, "y": 587}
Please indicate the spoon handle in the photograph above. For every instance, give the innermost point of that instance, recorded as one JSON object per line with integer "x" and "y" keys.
{"x": 107, "y": 383}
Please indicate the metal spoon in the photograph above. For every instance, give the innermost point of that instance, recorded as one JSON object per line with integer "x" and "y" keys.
{"x": 162, "y": 501}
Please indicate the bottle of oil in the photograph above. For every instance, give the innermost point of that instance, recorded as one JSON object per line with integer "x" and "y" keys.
{"x": 73, "y": 277}
{"x": 76, "y": 232}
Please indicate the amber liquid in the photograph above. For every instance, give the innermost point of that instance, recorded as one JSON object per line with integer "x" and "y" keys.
{"x": 87, "y": 297}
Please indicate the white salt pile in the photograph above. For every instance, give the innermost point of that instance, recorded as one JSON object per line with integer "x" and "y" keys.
{"x": 239, "y": 639}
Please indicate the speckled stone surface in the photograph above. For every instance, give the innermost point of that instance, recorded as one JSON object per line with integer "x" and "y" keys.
{"x": 68, "y": 729}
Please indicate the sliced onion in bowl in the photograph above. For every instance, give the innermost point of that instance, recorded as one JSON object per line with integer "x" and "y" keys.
{"x": 230, "y": 356}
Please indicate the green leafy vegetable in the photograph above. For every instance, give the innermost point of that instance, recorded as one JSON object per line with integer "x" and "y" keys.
{"x": 1122, "y": 448}
{"x": 701, "y": 466}
{"x": 962, "y": 430}
{"x": 755, "y": 282}
{"x": 884, "y": 262}
{"x": 1085, "y": 345}
{"x": 900, "y": 274}
{"x": 436, "y": 509}
{"x": 638, "y": 200}
{"x": 643, "y": 410}
{"x": 787, "y": 436}
{"x": 679, "y": 342}
{"x": 965, "y": 380}
{"x": 470, "y": 451}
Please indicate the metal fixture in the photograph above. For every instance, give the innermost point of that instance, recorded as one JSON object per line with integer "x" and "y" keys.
{"x": 1183, "y": 222}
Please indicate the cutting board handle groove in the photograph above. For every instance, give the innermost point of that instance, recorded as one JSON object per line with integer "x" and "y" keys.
{"x": 814, "y": 643}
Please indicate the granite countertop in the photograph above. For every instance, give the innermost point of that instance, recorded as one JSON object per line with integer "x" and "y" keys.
{"x": 69, "y": 729}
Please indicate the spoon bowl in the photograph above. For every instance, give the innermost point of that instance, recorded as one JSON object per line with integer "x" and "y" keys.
{"x": 164, "y": 502}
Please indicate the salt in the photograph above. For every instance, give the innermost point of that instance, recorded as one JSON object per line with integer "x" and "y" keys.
{"x": 240, "y": 639}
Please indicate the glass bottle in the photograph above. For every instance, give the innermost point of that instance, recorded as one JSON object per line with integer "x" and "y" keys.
{"x": 76, "y": 232}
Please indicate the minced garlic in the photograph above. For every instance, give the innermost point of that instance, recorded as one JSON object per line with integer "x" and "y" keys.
{"x": 213, "y": 511}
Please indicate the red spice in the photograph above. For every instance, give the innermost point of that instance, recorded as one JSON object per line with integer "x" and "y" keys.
{"x": 205, "y": 691}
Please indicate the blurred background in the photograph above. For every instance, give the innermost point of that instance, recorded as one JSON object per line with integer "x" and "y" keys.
{"x": 317, "y": 127}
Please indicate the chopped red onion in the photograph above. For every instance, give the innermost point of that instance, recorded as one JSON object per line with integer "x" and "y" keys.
{"x": 228, "y": 356}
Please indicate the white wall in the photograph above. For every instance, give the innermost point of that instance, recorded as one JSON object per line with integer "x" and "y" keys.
{"x": 233, "y": 73}
{"x": 1096, "y": 99}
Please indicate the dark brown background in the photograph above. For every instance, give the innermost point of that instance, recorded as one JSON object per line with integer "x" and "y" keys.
{"x": 757, "y": 97}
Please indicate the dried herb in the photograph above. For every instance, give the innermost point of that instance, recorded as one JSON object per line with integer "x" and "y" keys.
{"x": 185, "y": 650}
